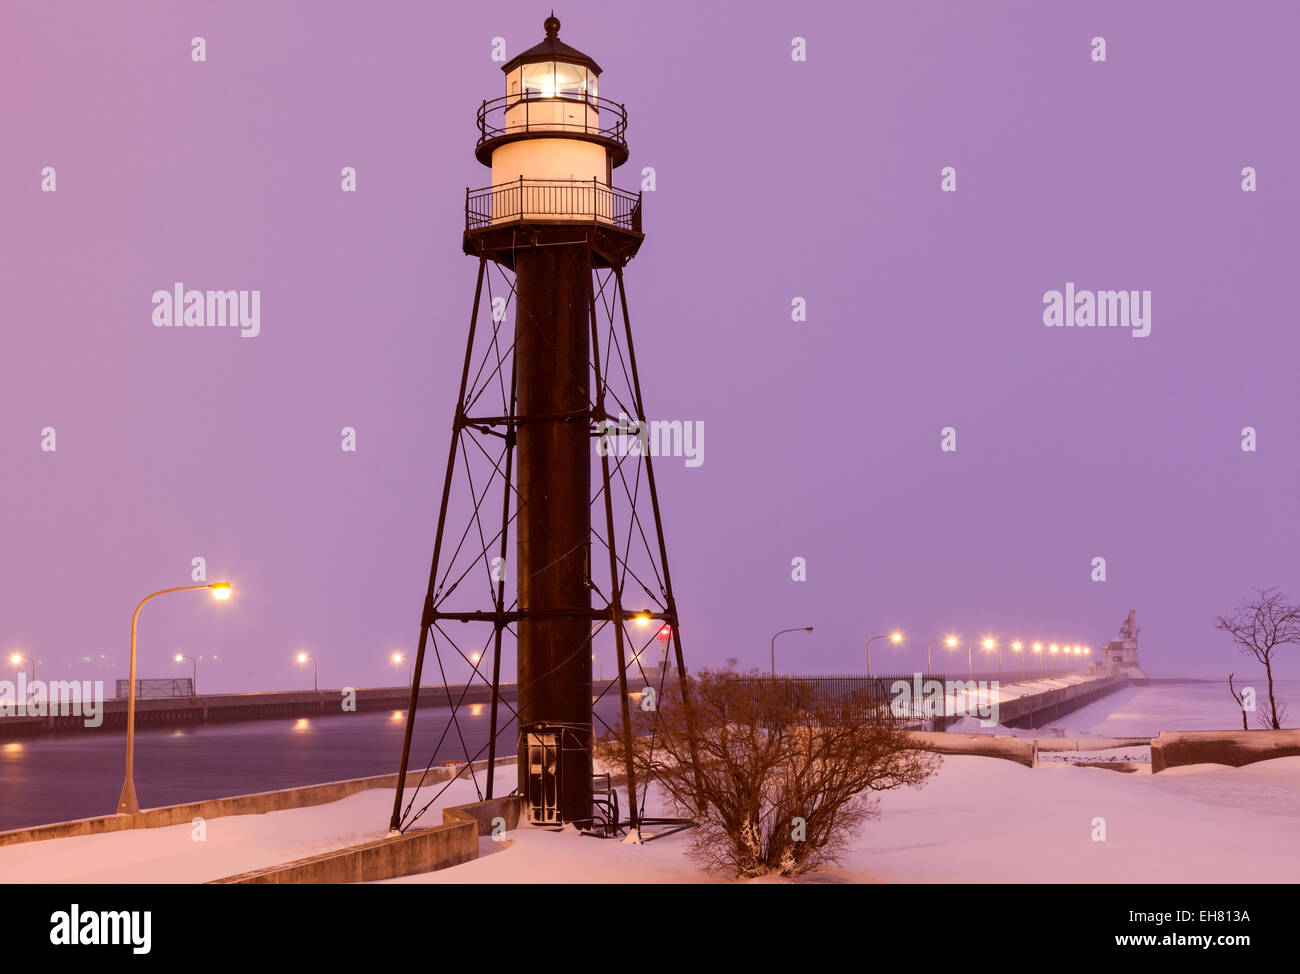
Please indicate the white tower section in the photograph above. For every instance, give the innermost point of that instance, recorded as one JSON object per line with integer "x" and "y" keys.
{"x": 551, "y": 141}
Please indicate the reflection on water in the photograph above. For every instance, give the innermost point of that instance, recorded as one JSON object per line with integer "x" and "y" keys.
{"x": 69, "y": 776}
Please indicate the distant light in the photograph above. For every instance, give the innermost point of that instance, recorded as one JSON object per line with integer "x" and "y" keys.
{"x": 895, "y": 637}
{"x": 475, "y": 657}
{"x": 15, "y": 659}
{"x": 397, "y": 657}
{"x": 1038, "y": 647}
{"x": 989, "y": 644}
{"x": 951, "y": 642}
{"x": 179, "y": 657}
{"x": 303, "y": 657}
{"x": 1017, "y": 645}
{"x": 1053, "y": 647}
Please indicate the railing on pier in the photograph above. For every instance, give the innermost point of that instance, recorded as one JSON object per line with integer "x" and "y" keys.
{"x": 150, "y": 689}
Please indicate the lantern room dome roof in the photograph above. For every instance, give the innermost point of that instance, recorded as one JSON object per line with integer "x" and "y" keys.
{"x": 551, "y": 49}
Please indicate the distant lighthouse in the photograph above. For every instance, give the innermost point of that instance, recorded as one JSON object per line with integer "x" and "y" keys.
{"x": 553, "y": 219}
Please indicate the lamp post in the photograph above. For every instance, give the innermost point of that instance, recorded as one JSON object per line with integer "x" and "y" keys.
{"x": 1054, "y": 650}
{"x": 17, "y": 660}
{"x": 315, "y": 678}
{"x": 949, "y": 641}
{"x": 782, "y": 632}
{"x": 410, "y": 667}
{"x": 129, "y": 804}
{"x": 970, "y": 665}
{"x": 1016, "y": 647}
{"x": 893, "y": 637}
{"x": 194, "y": 680}
{"x": 1038, "y": 648}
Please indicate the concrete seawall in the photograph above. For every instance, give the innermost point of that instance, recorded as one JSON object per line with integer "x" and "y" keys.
{"x": 254, "y": 804}
{"x": 1037, "y": 709}
{"x": 227, "y": 707}
{"x": 1235, "y": 748}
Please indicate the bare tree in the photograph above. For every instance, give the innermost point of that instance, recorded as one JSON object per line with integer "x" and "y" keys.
{"x": 1241, "y": 703}
{"x": 785, "y": 774}
{"x": 1258, "y": 626}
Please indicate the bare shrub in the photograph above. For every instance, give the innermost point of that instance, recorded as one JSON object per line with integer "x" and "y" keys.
{"x": 777, "y": 777}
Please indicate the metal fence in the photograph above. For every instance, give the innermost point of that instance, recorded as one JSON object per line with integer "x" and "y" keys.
{"x": 568, "y": 200}
{"x": 144, "y": 689}
{"x": 568, "y": 114}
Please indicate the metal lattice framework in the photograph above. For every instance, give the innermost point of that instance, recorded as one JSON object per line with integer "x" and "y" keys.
{"x": 469, "y": 616}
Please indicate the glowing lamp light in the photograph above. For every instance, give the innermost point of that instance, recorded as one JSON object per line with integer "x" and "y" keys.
{"x": 220, "y": 591}
{"x": 989, "y": 644}
{"x": 895, "y": 638}
{"x": 1038, "y": 647}
{"x": 951, "y": 642}
{"x": 302, "y": 657}
{"x": 1017, "y": 646}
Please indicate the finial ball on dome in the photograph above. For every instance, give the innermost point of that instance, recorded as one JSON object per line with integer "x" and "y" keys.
{"x": 552, "y": 25}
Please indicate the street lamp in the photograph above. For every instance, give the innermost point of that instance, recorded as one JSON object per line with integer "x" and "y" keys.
{"x": 410, "y": 667}
{"x": 893, "y": 637}
{"x": 782, "y": 632}
{"x": 129, "y": 804}
{"x": 970, "y": 666}
{"x": 194, "y": 681}
{"x": 949, "y": 641}
{"x": 17, "y": 660}
{"x": 1054, "y": 650}
{"x": 1038, "y": 648}
{"x": 1016, "y": 647}
{"x": 303, "y": 657}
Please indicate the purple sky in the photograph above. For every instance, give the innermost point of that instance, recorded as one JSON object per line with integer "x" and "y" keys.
{"x": 775, "y": 179}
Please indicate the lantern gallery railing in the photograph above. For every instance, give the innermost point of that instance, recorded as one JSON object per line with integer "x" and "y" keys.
{"x": 547, "y": 200}
{"x": 571, "y": 114}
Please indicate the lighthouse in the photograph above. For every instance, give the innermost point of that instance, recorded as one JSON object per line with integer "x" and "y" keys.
{"x": 558, "y": 232}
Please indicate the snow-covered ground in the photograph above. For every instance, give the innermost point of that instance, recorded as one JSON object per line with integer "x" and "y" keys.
{"x": 987, "y": 820}
{"x": 1146, "y": 711}
{"x": 978, "y": 820}
{"x": 232, "y": 844}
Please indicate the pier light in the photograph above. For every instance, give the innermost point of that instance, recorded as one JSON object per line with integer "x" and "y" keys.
{"x": 803, "y": 629}
{"x": 989, "y": 644}
{"x": 1017, "y": 646}
{"x": 1038, "y": 648}
{"x": 894, "y": 637}
{"x": 303, "y": 657}
{"x": 129, "y": 803}
{"x": 951, "y": 642}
